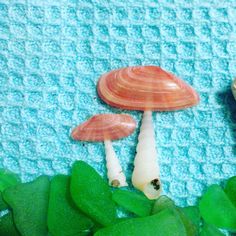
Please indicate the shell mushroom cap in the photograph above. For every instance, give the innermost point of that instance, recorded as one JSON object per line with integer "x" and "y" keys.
{"x": 145, "y": 88}
{"x": 104, "y": 127}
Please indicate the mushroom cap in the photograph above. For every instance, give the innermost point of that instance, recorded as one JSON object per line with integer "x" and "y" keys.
{"x": 145, "y": 88}
{"x": 104, "y": 127}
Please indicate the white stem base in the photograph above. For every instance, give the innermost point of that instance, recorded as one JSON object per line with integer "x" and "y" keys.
{"x": 146, "y": 174}
{"x": 115, "y": 174}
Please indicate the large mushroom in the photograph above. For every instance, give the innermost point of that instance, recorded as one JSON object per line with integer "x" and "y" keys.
{"x": 146, "y": 88}
{"x": 107, "y": 127}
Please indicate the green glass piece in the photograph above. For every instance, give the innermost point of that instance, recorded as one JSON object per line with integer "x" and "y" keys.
{"x": 92, "y": 194}
{"x": 216, "y": 208}
{"x": 123, "y": 219}
{"x": 162, "y": 203}
{"x": 165, "y": 223}
{"x": 3, "y": 204}
{"x": 230, "y": 189}
{"x": 64, "y": 218}
{"x": 83, "y": 234}
{"x": 7, "y": 179}
{"x": 191, "y": 229}
{"x": 29, "y": 202}
{"x": 7, "y": 227}
{"x": 133, "y": 202}
{"x": 95, "y": 228}
{"x": 192, "y": 212}
{"x": 210, "y": 230}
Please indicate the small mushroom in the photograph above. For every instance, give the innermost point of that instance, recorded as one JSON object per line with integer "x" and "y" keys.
{"x": 146, "y": 88}
{"x": 107, "y": 127}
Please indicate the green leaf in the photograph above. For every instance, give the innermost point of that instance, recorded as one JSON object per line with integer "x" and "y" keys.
{"x": 165, "y": 223}
{"x": 133, "y": 202}
{"x": 64, "y": 218}
{"x": 216, "y": 208}
{"x": 230, "y": 189}
{"x": 7, "y": 227}
{"x": 210, "y": 230}
{"x": 92, "y": 194}
{"x": 162, "y": 203}
{"x": 29, "y": 202}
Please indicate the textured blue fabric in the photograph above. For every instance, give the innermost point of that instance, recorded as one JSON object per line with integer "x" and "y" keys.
{"x": 53, "y": 52}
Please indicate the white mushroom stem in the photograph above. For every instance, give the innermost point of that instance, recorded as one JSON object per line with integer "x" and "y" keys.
{"x": 115, "y": 174}
{"x": 233, "y": 88}
{"x": 146, "y": 174}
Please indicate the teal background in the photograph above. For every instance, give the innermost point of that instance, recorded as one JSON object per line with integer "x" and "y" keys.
{"x": 53, "y": 52}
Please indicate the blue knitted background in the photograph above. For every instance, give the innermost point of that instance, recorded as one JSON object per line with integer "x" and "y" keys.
{"x": 53, "y": 52}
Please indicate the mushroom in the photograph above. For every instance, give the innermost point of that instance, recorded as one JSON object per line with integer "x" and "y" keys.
{"x": 146, "y": 88}
{"x": 107, "y": 127}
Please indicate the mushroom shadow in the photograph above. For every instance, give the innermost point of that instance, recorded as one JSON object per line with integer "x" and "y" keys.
{"x": 226, "y": 98}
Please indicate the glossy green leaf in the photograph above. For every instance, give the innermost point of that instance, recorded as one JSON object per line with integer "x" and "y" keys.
{"x": 230, "y": 189}
{"x": 7, "y": 179}
{"x": 29, "y": 202}
{"x": 64, "y": 218}
{"x": 92, "y": 194}
{"x": 216, "y": 208}
{"x": 165, "y": 223}
{"x": 7, "y": 227}
{"x": 133, "y": 202}
{"x": 210, "y": 230}
{"x": 162, "y": 203}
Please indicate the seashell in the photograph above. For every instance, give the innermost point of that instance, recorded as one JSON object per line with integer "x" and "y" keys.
{"x": 146, "y": 174}
{"x": 115, "y": 173}
{"x": 145, "y": 88}
{"x": 105, "y": 127}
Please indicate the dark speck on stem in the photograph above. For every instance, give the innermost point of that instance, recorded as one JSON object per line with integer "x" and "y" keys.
{"x": 156, "y": 184}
